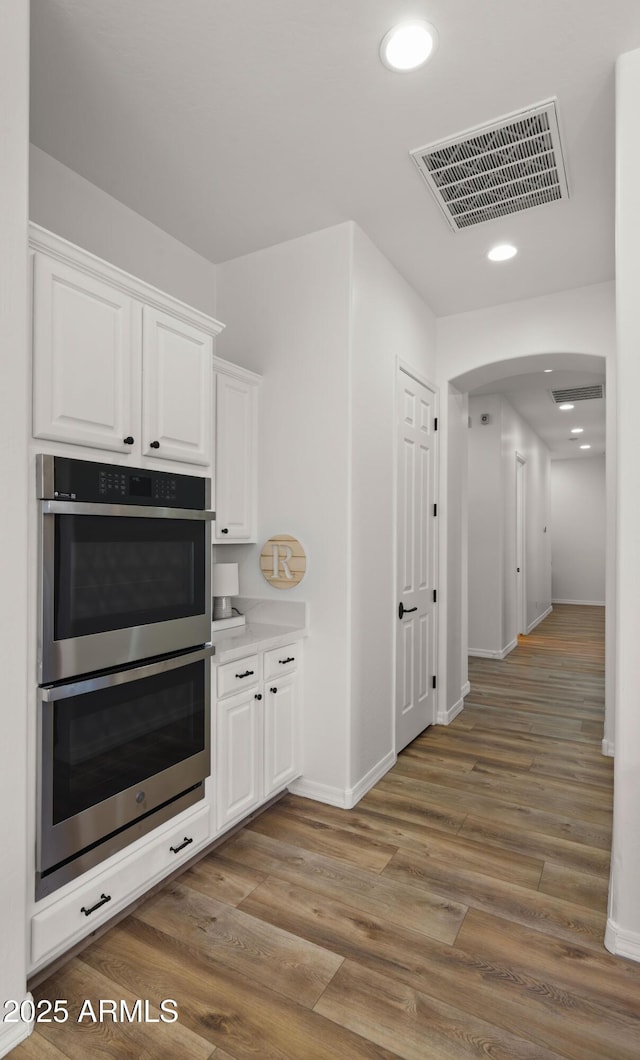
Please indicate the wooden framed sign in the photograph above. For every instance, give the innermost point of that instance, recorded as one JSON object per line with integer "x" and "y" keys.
{"x": 283, "y": 561}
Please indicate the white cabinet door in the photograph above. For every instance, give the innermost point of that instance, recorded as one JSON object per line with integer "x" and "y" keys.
{"x": 176, "y": 389}
{"x": 239, "y": 755}
{"x": 235, "y": 459}
{"x": 281, "y": 759}
{"x": 85, "y": 359}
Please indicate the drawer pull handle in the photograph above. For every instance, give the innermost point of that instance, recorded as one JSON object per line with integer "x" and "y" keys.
{"x": 176, "y": 850}
{"x": 104, "y": 898}
{"x": 283, "y": 662}
{"x": 129, "y": 440}
{"x": 273, "y": 689}
{"x": 258, "y": 696}
{"x": 154, "y": 445}
{"x": 225, "y": 530}
{"x": 247, "y": 673}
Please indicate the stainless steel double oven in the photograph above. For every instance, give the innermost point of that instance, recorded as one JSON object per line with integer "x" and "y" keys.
{"x": 123, "y": 660}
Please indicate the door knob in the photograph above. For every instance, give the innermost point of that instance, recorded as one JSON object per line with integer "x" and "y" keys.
{"x": 402, "y": 610}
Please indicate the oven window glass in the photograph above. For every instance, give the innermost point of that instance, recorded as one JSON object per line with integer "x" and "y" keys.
{"x": 107, "y": 741}
{"x": 112, "y": 573}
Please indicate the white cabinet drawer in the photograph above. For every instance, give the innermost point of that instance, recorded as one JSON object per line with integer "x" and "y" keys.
{"x": 65, "y": 922}
{"x": 236, "y": 676}
{"x": 281, "y": 660}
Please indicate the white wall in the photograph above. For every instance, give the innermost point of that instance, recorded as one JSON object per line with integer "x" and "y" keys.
{"x": 14, "y": 405}
{"x": 286, "y": 311}
{"x": 578, "y": 523}
{"x": 323, "y": 319}
{"x": 388, "y": 321}
{"x": 77, "y": 210}
{"x": 493, "y": 623}
{"x": 623, "y": 926}
{"x": 577, "y": 322}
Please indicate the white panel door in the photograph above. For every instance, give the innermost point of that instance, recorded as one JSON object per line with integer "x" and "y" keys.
{"x": 176, "y": 389}
{"x": 235, "y": 459}
{"x": 416, "y": 560}
{"x": 86, "y": 359}
{"x": 238, "y": 756}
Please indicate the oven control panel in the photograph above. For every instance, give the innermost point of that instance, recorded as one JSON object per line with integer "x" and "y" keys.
{"x": 62, "y": 478}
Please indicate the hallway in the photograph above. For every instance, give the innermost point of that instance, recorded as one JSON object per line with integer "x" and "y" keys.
{"x": 458, "y": 911}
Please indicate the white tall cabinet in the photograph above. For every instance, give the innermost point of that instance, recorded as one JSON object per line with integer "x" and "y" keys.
{"x": 236, "y": 439}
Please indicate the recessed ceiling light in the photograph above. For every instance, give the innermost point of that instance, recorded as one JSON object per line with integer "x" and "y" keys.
{"x": 546, "y": 370}
{"x": 565, "y": 408}
{"x": 502, "y": 252}
{"x": 585, "y": 446}
{"x": 408, "y": 46}
{"x": 577, "y": 430}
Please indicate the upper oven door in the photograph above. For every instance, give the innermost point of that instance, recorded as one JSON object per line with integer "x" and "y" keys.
{"x": 120, "y": 583}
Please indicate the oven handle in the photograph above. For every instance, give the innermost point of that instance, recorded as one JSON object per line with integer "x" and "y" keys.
{"x": 52, "y": 693}
{"x": 131, "y": 510}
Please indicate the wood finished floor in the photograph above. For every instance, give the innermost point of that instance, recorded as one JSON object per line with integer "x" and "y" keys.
{"x": 457, "y": 911}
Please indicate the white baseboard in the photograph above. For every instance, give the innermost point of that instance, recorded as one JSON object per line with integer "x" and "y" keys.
{"x": 622, "y": 943}
{"x": 540, "y": 618}
{"x": 481, "y": 653}
{"x": 11, "y": 1034}
{"x": 582, "y": 603}
{"x": 445, "y": 717}
{"x": 466, "y": 688}
{"x": 345, "y": 798}
{"x": 310, "y": 789}
{"x": 608, "y": 748}
{"x": 354, "y": 794}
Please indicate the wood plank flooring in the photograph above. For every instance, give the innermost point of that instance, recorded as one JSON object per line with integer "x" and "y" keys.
{"x": 458, "y": 911}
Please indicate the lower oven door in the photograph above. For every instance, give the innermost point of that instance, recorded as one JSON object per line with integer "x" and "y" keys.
{"x": 120, "y": 753}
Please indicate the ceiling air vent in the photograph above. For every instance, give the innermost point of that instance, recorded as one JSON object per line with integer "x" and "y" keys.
{"x": 497, "y": 169}
{"x": 578, "y": 393}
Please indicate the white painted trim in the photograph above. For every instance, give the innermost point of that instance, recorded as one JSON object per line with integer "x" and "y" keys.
{"x": 608, "y": 748}
{"x": 445, "y": 717}
{"x": 40, "y": 239}
{"x": 346, "y": 799}
{"x": 412, "y": 372}
{"x": 582, "y": 603}
{"x": 540, "y": 618}
{"x": 481, "y": 653}
{"x": 466, "y": 688}
{"x": 354, "y": 794}
{"x": 310, "y": 789}
{"x": 19, "y": 1032}
{"x": 622, "y": 943}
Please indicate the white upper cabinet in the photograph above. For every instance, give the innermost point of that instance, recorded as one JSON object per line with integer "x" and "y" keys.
{"x": 117, "y": 364}
{"x": 236, "y": 454}
{"x": 176, "y": 389}
{"x": 86, "y": 358}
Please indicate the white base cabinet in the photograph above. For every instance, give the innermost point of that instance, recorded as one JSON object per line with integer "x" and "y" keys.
{"x": 84, "y": 907}
{"x": 257, "y": 731}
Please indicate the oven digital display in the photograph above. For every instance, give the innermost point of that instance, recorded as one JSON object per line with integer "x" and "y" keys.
{"x": 139, "y": 486}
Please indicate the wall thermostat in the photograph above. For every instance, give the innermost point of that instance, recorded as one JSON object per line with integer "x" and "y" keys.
{"x": 485, "y": 417}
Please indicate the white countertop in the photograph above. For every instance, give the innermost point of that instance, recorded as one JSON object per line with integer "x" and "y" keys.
{"x": 231, "y": 644}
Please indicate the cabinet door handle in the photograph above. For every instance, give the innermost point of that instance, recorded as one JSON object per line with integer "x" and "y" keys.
{"x": 104, "y": 898}
{"x": 273, "y": 689}
{"x": 176, "y": 850}
{"x": 247, "y": 673}
{"x": 225, "y": 530}
{"x": 283, "y": 662}
{"x": 402, "y": 610}
{"x": 154, "y": 445}
{"x": 129, "y": 440}
{"x": 258, "y": 696}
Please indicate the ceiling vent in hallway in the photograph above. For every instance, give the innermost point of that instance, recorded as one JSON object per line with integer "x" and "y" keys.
{"x": 500, "y": 168}
{"x": 578, "y": 393}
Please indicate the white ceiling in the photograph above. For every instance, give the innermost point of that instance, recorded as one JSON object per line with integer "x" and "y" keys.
{"x": 237, "y": 124}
